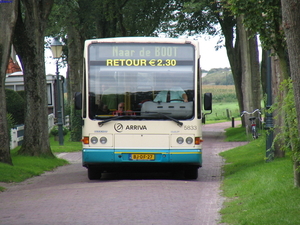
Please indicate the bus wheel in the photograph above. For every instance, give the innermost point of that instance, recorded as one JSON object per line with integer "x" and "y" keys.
{"x": 191, "y": 173}
{"x": 94, "y": 173}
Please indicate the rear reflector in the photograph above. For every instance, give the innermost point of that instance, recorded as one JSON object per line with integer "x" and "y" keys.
{"x": 198, "y": 140}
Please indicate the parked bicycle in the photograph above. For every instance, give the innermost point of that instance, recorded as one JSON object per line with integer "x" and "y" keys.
{"x": 253, "y": 125}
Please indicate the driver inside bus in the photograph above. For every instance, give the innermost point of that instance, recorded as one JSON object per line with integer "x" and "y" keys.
{"x": 110, "y": 96}
{"x": 171, "y": 93}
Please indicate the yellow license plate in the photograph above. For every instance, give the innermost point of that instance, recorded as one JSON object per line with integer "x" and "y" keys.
{"x": 142, "y": 157}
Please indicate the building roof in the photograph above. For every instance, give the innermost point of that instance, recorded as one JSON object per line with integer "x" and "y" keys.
{"x": 12, "y": 67}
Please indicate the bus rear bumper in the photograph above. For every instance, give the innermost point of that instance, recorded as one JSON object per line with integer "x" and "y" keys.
{"x": 121, "y": 156}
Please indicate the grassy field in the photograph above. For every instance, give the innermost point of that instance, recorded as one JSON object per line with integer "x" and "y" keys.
{"x": 224, "y": 111}
{"x": 221, "y": 93}
{"x": 258, "y": 192}
{"x": 225, "y": 105}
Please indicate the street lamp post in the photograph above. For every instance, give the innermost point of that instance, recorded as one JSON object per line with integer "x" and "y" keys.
{"x": 269, "y": 116}
{"x": 56, "y": 48}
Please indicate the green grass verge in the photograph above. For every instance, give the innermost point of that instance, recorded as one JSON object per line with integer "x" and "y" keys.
{"x": 258, "y": 192}
{"x": 25, "y": 167}
{"x": 68, "y": 146}
{"x": 237, "y": 134}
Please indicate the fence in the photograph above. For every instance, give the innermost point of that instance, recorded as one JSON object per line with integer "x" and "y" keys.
{"x": 17, "y": 132}
{"x": 51, "y": 121}
{"x": 67, "y": 121}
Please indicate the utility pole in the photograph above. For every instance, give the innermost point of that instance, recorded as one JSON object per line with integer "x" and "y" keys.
{"x": 269, "y": 116}
{"x": 56, "y": 47}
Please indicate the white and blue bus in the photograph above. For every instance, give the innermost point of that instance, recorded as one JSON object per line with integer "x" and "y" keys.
{"x": 141, "y": 105}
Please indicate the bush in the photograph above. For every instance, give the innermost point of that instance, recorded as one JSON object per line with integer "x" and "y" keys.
{"x": 15, "y": 105}
{"x": 22, "y": 94}
{"x": 54, "y": 131}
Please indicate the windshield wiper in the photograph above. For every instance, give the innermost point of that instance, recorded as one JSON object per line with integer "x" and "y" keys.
{"x": 169, "y": 117}
{"x": 110, "y": 119}
{"x": 127, "y": 116}
{"x": 132, "y": 115}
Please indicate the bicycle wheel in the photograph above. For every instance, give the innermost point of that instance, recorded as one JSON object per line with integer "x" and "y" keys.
{"x": 248, "y": 133}
{"x": 254, "y": 132}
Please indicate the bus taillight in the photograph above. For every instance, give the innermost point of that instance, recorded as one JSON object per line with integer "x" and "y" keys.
{"x": 85, "y": 140}
{"x": 198, "y": 140}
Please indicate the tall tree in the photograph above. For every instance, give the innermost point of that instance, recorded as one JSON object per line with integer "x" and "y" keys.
{"x": 291, "y": 25}
{"x": 8, "y": 12}
{"x": 77, "y": 32}
{"x": 265, "y": 19}
{"x": 67, "y": 21}
{"x": 29, "y": 44}
{"x": 250, "y": 69}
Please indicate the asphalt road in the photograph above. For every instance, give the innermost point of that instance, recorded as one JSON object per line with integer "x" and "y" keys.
{"x": 66, "y": 196}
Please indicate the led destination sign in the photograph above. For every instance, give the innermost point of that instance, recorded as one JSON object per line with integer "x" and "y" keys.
{"x": 161, "y": 51}
{"x": 140, "y": 54}
{"x": 141, "y": 62}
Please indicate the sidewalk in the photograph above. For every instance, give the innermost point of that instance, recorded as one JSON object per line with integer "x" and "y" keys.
{"x": 213, "y": 136}
{"x": 220, "y": 126}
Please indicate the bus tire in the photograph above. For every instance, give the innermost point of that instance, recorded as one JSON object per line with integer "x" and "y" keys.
{"x": 94, "y": 173}
{"x": 191, "y": 173}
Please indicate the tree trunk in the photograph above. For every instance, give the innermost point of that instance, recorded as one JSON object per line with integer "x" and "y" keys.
{"x": 8, "y": 12}
{"x": 250, "y": 72}
{"x": 263, "y": 71}
{"x": 291, "y": 25}
{"x": 278, "y": 76}
{"x": 296, "y": 174}
{"x": 241, "y": 65}
{"x": 29, "y": 43}
{"x": 234, "y": 57}
{"x": 75, "y": 73}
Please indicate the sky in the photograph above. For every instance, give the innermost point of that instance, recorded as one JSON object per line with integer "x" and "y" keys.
{"x": 210, "y": 58}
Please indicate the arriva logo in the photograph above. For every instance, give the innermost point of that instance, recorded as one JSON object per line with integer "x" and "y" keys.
{"x": 136, "y": 127}
{"x": 119, "y": 127}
